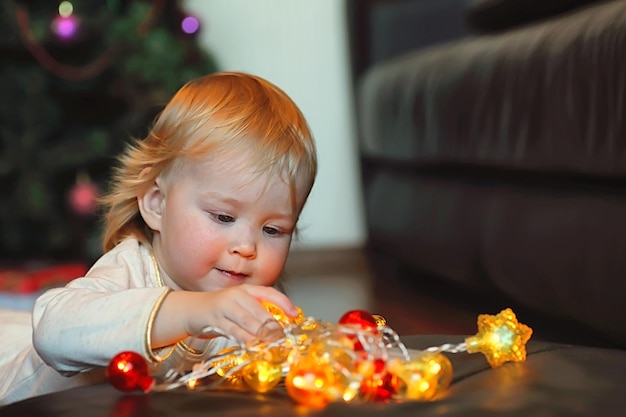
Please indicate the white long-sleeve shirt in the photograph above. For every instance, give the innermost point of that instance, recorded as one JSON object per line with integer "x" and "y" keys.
{"x": 77, "y": 329}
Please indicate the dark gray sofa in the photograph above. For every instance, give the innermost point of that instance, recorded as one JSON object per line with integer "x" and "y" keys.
{"x": 494, "y": 155}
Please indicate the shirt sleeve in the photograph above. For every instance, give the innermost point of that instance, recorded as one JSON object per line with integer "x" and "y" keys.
{"x": 110, "y": 310}
{"x": 23, "y": 374}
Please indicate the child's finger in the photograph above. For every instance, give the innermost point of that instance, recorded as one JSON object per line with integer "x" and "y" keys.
{"x": 277, "y": 298}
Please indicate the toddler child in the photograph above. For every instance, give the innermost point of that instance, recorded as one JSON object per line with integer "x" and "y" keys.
{"x": 198, "y": 224}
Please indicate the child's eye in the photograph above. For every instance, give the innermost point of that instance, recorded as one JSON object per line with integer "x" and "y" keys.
{"x": 224, "y": 218}
{"x": 272, "y": 231}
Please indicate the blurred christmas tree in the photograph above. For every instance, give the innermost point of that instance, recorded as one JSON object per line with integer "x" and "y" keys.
{"x": 77, "y": 79}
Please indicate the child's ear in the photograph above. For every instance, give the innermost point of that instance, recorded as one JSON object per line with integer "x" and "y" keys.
{"x": 151, "y": 205}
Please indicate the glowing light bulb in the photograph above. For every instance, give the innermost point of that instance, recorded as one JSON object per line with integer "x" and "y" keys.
{"x": 230, "y": 359}
{"x": 308, "y": 383}
{"x": 501, "y": 338}
{"x": 423, "y": 377}
{"x": 262, "y": 375}
{"x": 280, "y": 316}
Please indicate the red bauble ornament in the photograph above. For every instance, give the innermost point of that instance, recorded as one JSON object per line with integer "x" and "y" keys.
{"x": 360, "y": 318}
{"x": 381, "y": 387}
{"x": 128, "y": 371}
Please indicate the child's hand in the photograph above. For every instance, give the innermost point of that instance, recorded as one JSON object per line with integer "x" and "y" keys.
{"x": 238, "y": 310}
{"x": 235, "y": 310}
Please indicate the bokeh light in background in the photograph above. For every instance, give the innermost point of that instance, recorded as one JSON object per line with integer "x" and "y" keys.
{"x": 66, "y": 8}
{"x": 66, "y": 24}
{"x": 190, "y": 25}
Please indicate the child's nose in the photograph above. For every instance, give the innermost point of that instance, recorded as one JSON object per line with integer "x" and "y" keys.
{"x": 243, "y": 247}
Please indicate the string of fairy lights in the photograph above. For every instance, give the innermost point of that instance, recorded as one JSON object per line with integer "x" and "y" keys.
{"x": 357, "y": 359}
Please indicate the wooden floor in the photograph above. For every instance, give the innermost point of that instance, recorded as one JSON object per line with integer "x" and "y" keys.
{"x": 327, "y": 283}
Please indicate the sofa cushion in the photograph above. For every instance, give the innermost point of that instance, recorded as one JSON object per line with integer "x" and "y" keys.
{"x": 495, "y": 15}
{"x": 546, "y": 98}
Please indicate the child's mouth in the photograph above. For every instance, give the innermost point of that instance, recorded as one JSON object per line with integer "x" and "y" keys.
{"x": 232, "y": 274}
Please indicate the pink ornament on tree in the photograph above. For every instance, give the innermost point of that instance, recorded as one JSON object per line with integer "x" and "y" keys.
{"x": 65, "y": 28}
{"x": 83, "y": 197}
{"x": 190, "y": 25}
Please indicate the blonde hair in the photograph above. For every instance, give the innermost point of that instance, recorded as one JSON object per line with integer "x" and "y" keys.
{"x": 211, "y": 115}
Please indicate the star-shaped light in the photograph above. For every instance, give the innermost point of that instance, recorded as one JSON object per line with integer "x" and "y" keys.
{"x": 280, "y": 316}
{"x": 501, "y": 338}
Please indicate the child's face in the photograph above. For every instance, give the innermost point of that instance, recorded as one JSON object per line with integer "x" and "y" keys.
{"x": 221, "y": 225}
